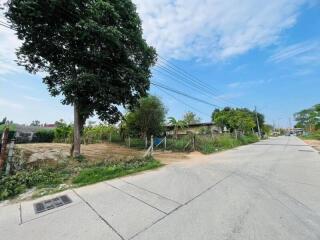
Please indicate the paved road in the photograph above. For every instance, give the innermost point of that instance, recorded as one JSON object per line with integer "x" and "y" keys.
{"x": 268, "y": 190}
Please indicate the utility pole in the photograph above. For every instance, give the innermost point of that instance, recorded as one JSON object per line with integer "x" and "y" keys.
{"x": 290, "y": 126}
{"x": 258, "y": 125}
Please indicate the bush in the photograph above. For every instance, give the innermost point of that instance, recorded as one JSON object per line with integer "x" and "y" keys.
{"x": 136, "y": 143}
{"x": 180, "y": 144}
{"x": 248, "y": 139}
{"x": 95, "y": 174}
{"x": 208, "y": 145}
{"x": 313, "y": 136}
{"x": 12, "y": 131}
{"x": 43, "y": 136}
{"x": 63, "y": 132}
{"x": 11, "y": 186}
{"x": 101, "y": 133}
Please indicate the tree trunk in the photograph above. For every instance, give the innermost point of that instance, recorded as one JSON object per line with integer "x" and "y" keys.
{"x": 76, "y": 132}
{"x": 4, "y": 141}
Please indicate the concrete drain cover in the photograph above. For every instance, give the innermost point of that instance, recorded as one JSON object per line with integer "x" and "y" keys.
{"x": 302, "y": 150}
{"x": 51, "y": 204}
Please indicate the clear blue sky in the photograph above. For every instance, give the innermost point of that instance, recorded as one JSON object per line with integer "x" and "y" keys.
{"x": 268, "y": 56}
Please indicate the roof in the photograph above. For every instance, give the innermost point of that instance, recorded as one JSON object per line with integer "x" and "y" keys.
{"x": 207, "y": 124}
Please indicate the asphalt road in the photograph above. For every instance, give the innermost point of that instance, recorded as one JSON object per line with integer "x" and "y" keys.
{"x": 268, "y": 190}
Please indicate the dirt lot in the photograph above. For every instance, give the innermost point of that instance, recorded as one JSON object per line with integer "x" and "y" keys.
{"x": 314, "y": 143}
{"x": 35, "y": 152}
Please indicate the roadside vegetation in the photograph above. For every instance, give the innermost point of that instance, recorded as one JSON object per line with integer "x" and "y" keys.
{"x": 68, "y": 173}
{"x": 39, "y": 170}
{"x": 309, "y": 120}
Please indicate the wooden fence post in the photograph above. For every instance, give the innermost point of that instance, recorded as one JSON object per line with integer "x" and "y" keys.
{"x": 10, "y": 156}
{"x": 129, "y": 141}
{"x": 4, "y": 141}
{"x": 146, "y": 142}
{"x": 165, "y": 142}
{"x": 151, "y": 144}
{"x": 193, "y": 141}
{"x": 109, "y": 137}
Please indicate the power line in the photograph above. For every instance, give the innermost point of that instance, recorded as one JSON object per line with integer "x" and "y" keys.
{"x": 177, "y": 99}
{"x": 183, "y": 94}
{"x": 185, "y": 82}
{"x": 194, "y": 79}
{"x": 6, "y": 25}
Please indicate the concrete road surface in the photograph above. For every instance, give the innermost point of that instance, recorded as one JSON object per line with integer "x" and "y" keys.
{"x": 269, "y": 190}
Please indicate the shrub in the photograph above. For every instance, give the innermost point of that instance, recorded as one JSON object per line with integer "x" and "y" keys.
{"x": 12, "y": 131}
{"x": 11, "y": 186}
{"x": 43, "y": 136}
{"x": 101, "y": 133}
{"x": 313, "y": 136}
{"x": 248, "y": 139}
{"x": 209, "y": 145}
{"x": 136, "y": 143}
{"x": 63, "y": 132}
{"x": 180, "y": 144}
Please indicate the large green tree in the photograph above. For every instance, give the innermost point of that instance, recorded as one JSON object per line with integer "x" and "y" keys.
{"x": 92, "y": 52}
{"x": 241, "y": 119}
{"x": 191, "y": 118}
{"x": 147, "y": 118}
{"x": 309, "y": 118}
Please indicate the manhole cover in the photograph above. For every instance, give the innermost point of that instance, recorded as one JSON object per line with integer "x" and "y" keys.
{"x": 51, "y": 204}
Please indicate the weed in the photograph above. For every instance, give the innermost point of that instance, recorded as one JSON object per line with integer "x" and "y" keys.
{"x": 100, "y": 173}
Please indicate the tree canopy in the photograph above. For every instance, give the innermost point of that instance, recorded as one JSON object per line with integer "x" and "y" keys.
{"x": 237, "y": 119}
{"x": 177, "y": 124}
{"x": 147, "y": 118}
{"x": 92, "y": 52}
{"x": 191, "y": 118}
{"x": 309, "y": 118}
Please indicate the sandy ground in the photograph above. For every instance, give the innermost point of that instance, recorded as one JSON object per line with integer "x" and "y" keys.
{"x": 313, "y": 143}
{"x": 97, "y": 152}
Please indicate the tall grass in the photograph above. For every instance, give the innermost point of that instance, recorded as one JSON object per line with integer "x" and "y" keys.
{"x": 312, "y": 136}
{"x": 181, "y": 144}
{"x": 208, "y": 145}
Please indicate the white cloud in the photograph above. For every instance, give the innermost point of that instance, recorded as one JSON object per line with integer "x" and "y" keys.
{"x": 214, "y": 29}
{"x": 227, "y": 96}
{"x": 35, "y": 99}
{"x": 202, "y": 29}
{"x": 304, "y": 53}
{"x": 8, "y": 104}
{"x": 248, "y": 83}
{"x": 9, "y": 43}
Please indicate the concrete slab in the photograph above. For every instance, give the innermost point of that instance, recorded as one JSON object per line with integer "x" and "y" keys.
{"x": 73, "y": 223}
{"x": 27, "y": 209}
{"x": 163, "y": 204}
{"x": 9, "y": 220}
{"x": 179, "y": 182}
{"x": 124, "y": 213}
{"x": 253, "y": 214}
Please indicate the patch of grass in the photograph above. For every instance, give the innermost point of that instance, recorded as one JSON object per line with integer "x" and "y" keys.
{"x": 312, "y": 136}
{"x": 180, "y": 144}
{"x": 100, "y": 173}
{"x": 70, "y": 174}
{"x": 209, "y": 145}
